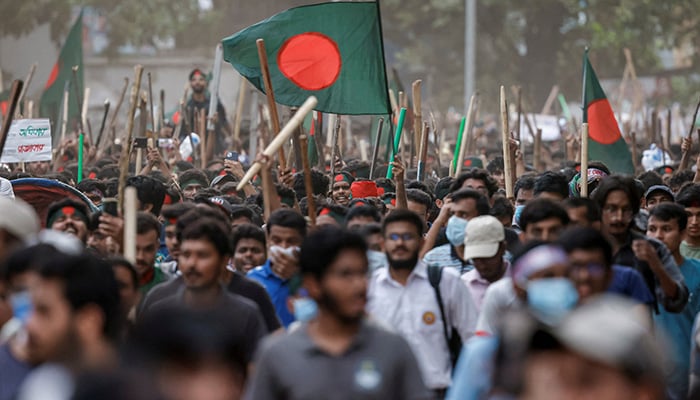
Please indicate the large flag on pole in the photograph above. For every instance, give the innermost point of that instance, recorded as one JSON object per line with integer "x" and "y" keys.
{"x": 605, "y": 142}
{"x": 333, "y": 51}
{"x": 71, "y": 55}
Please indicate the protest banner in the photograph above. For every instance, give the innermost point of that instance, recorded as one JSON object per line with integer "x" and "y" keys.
{"x": 28, "y": 140}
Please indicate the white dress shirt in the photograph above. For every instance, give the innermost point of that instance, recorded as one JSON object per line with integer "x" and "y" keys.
{"x": 413, "y": 312}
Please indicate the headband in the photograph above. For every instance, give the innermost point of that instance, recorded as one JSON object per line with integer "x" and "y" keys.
{"x": 535, "y": 260}
{"x": 66, "y": 211}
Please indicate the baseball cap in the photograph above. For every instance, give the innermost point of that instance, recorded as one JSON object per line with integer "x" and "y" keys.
{"x": 18, "y": 218}
{"x": 626, "y": 343}
{"x": 483, "y": 236}
{"x": 221, "y": 179}
{"x": 659, "y": 188}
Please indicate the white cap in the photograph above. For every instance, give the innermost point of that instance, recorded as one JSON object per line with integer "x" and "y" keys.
{"x": 18, "y": 218}
{"x": 483, "y": 236}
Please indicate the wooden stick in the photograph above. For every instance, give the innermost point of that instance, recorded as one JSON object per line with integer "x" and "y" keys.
{"x": 130, "y": 219}
{"x": 633, "y": 143}
{"x": 127, "y": 142}
{"x": 308, "y": 184}
{"x": 423, "y": 152}
{"x": 547, "y": 108}
{"x": 64, "y": 111}
{"x": 465, "y": 138}
{"x": 334, "y": 144}
{"x": 584, "y": 160}
{"x": 239, "y": 111}
{"x": 505, "y": 136}
{"x": 84, "y": 110}
{"x": 262, "y": 55}
{"x": 102, "y": 125}
{"x": 78, "y": 96}
{"x": 203, "y": 139}
{"x": 686, "y": 154}
{"x": 15, "y": 91}
{"x": 25, "y": 87}
{"x": 152, "y": 113}
{"x": 281, "y": 137}
{"x": 668, "y": 131}
{"x": 113, "y": 120}
{"x": 417, "y": 118}
{"x": 161, "y": 111}
{"x": 375, "y": 151}
{"x": 520, "y": 112}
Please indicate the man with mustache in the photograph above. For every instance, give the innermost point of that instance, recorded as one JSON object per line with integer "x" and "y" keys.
{"x": 402, "y": 297}
{"x": 619, "y": 201}
{"x": 147, "y": 243}
{"x": 340, "y": 190}
{"x": 69, "y": 216}
{"x": 338, "y": 350}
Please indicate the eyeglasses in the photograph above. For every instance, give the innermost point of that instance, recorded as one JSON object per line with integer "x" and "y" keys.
{"x": 403, "y": 236}
{"x": 613, "y": 210}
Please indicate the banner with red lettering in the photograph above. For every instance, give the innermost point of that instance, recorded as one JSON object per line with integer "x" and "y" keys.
{"x": 28, "y": 140}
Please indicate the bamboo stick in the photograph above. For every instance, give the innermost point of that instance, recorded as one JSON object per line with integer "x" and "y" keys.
{"x": 584, "y": 160}
{"x": 507, "y": 162}
{"x": 262, "y": 55}
{"x": 127, "y": 143}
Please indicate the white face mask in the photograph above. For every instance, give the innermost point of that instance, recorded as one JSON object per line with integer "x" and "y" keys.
{"x": 456, "y": 230}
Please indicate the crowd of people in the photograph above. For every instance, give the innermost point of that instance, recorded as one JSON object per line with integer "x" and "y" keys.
{"x": 400, "y": 289}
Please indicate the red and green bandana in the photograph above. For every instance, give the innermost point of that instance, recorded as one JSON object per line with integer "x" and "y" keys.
{"x": 67, "y": 211}
{"x": 340, "y": 219}
{"x": 343, "y": 177}
{"x": 169, "y": 222}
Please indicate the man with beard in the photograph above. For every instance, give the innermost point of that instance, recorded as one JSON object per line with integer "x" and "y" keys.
{"x": 340, "y": 190}
{"x": 619, "y": 201}
{"x": 147, "y": 242}
{"x": 402, "y": 297}
{"x": 69, "y": 216}
{"x": 199, "y": 101}
{"x": 204, "y": 252}
{"x": 338, "y": 351}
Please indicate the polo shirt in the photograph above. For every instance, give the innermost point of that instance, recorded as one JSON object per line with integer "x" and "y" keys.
{"x": 377, "y": 365}
{"x": 276, "y": 287}
{"x": 413, "y": 312}
{"x": 446, "y": 256}
{"x": 477, "y": 285}
{"x": 677, "y": 328}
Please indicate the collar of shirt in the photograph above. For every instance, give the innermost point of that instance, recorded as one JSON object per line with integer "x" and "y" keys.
{"x": 267, "y": 271}
{"x": 420, "y": 271}
{"x": 475, "y": 276}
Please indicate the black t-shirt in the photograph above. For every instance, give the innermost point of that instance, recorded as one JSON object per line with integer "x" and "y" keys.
{"x": 239, "y": 285}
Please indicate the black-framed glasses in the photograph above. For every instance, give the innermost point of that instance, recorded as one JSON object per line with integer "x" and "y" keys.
{"x": 403, "y": 236}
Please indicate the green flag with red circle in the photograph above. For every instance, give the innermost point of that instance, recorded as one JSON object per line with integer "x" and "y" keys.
{"x": 333, "y": 51}
{"x": 605, "y": 142}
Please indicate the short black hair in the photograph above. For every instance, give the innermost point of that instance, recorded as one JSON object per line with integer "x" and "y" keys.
{"x": 442, "y": 187}
{"x": 679, "y": 178}
{"x": 612, "y": 183}
{"x": 363, "y": 211}
{"x": 404, "y": 215}
{"x": 524, "y": 182}
{"x": 689, "y": 196}
{"x": 175, "y": 211}
{"x": 551, "y": 182}
{"x": 592, "y": 208}
{"x": 89, "y": 185}
{"x": 322, "y": 247}
{"x": 482, "y": 203}
{"x": 118, "y": 261}
{"x": 583, "y": 238}
{"x": 108, "y": 171}
{"x": 146, "y": 222}
{"x": 419, "y": 196}
{"x": 387, "y": 184}
{"x": 213, "y": 231}
{"x": 650, "y": 178}
{"x": 421, "y": 186}
{"x": 26, "y": 259}
{"x": 247, "y": 231}
{"x": 495, "y": 165}
{"x": 287, "y": 218}
{"x": 670, "y": 211}
{"x": 149, "y": 191}
{"x": 502, "y": 207}
{"x": 193, "y": 175}
{"x": 86, "y": 280}
{"x": 319, "y": 183}
{"x": 197, "y": 213}
{"x": 370, "y": 229}
{"x": 477, "y": 174}
{"x": 540, "y": 209}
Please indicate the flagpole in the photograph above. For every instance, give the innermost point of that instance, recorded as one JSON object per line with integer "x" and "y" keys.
{"x": 397, "y": 143}
{"x": 27, "y": 82}
{"x": 375, "y": 151}
{"x": 507, "y": 171}
{"x": 465, "y": 136}
{"x": 13, "y": 102}
{"x": 308, "y": 184}
{"x": 584, "y": 160}
{"x": 265, "y": 68}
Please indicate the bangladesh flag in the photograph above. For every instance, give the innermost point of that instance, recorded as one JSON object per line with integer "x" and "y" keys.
{"x": 4, "y": 102}
{"x": 71, "y": 55}
{"x": 605, "y": 142}
{"x": 333, "y": 51}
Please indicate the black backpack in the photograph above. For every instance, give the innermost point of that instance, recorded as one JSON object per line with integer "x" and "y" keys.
{"x": 454, "y": 340}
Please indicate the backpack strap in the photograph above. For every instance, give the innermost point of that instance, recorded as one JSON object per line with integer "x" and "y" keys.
{"x": 434, "y": 276}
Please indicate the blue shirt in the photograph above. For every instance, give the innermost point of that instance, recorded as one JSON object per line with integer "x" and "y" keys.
{"x": 630, "y": 283}
{"x": 277, "y": 288}
{"x": 677, "y": 328}
{"x": 472, "y": 379}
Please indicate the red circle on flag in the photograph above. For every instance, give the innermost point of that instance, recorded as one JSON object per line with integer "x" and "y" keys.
{"x": 602, "y": 126}
{"x": 311, "y": 60}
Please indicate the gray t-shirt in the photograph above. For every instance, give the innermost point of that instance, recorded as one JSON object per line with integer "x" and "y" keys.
{"x": 377, "y": 365}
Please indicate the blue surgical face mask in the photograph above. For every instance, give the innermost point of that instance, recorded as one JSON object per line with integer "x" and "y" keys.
{"x": 21, "y": 304}
{"x": 455, "y": 230}
{"x": 551, "y": 299}
{"x": 305, "y": 309}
